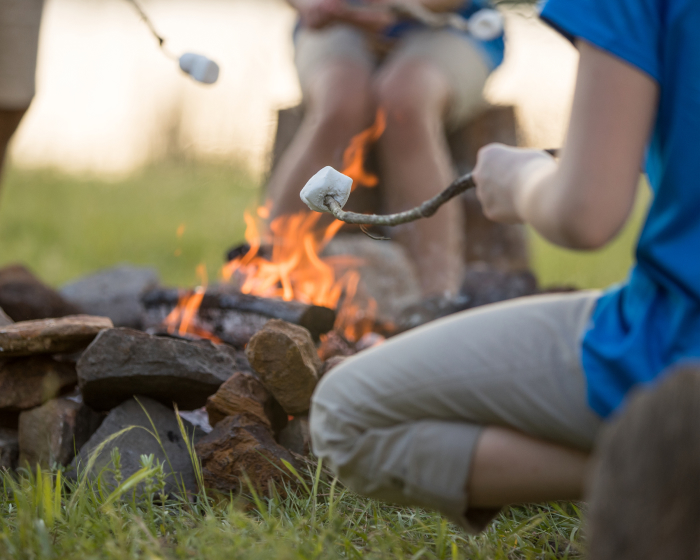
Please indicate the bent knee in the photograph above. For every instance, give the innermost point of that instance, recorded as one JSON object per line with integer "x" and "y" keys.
{"x": 412, "y": 95}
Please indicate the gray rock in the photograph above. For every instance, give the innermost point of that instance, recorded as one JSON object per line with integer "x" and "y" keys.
{"x": 24, "y": 297}
{"x": 114, "y": 293}
{"x": 143, "y": 415}
{"x": 50, "y": 336}
{"x": 388, "y": 274}
{"x": 4, "y": 319}
{"x": 9, "y": 449}
{"x": 296, "y": 436}
{"x": 29, "y": 382}
{"x": 53, "y": 432}
{"x": 121, "y": 363}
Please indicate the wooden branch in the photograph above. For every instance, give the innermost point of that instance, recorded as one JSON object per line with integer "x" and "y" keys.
{"x": 425, "y": 210}
{"x": 318, "y": 320}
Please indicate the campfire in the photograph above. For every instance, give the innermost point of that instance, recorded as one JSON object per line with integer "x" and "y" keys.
{"x": 285, "y": 262}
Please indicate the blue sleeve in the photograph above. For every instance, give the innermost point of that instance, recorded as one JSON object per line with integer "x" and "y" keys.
{"x": 628, "y": 29}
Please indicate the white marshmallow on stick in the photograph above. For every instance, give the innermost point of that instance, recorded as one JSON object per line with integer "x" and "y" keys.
{"x": 329, "y": 190}
{"x": 327, "y": 182}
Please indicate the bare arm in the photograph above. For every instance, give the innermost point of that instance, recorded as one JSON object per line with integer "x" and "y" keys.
{"x": 584, "y": 201}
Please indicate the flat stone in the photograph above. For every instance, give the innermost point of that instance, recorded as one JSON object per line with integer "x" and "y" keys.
{"x": 114, "y": 293}
{"x": 285, "y": 358}
{"x": 52, "y": 433}
{"x": 4, "y": 319}
{"x": 9, "y": 449}
{"x": 121, "y": 363}
{"x": 24, "y": 297}
{"x": 296, "y": 436}
{"x": 140, "y": 441}
{"x": 29, "y": 382}
{"x": 244, "y": 393}
{"x": 50, "y": 336}
{"x": 242, "y": 444}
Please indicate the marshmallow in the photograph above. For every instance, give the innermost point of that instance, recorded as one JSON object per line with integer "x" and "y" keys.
{"x": 326, "y": 182}
{"x": 486, "y": 24}
{"x": 199, "y": 67}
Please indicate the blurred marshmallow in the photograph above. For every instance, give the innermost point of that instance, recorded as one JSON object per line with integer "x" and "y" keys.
{"x": 199, "y": 67}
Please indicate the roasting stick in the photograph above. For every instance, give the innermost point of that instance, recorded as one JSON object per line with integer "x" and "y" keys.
{"x": 329, "y": 190}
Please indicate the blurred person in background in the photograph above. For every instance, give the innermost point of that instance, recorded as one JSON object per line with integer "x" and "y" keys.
{"x": 355, "y": 56}
{"x": 19, "y": 40}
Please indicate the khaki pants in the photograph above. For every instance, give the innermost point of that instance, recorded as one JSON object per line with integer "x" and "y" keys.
{"x": 400, "y": 422}
{"x": 19, "y": 39}
{"x": 455, "y": 55}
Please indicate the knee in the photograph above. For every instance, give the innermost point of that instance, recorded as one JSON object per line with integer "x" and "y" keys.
{"x": 341, "y": 115}
{"x": 408, "y": 103}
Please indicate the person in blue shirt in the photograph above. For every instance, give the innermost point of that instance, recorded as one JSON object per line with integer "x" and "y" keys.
{"x": 353, "y": 56}
{"x": 503, "y": 404}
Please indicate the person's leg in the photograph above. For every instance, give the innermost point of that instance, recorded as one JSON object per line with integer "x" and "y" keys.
{"x": 334, "y": 70}
{"x": 19, "y": 37}
{"x": 9, "y": 121}
{"x": 420, "y": 87}
{"x": 421, "y": 418}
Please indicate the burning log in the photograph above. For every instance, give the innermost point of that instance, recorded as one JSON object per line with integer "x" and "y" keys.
{"x": 246, "y": 313}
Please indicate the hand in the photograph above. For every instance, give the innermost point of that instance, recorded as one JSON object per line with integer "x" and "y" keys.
{"x": 317, "y": 14}
{"x": 502, "y": 174}
{"x": 374, "y": 17}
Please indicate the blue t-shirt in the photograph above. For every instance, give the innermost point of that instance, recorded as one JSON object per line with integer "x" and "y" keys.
{"x": 651, "y": 321}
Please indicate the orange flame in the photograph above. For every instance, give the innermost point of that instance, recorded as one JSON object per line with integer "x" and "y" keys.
{"x": 183, "y": 319}
{"x": 296, "y": 271}
{"x": 354, "y": 156}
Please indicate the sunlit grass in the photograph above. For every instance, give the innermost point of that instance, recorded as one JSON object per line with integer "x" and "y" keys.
{"x": 64, "y": 226}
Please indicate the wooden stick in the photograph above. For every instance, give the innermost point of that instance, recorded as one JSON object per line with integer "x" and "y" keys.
{"x": 425, "y": 210}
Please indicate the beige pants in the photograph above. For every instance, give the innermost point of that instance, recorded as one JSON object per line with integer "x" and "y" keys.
{"x": 455, "y": 55}
{"x": 19, "y": 38}
{"x": 400, "y": 422}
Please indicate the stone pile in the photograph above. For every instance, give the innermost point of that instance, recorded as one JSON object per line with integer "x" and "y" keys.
{"x": 78, "y": 372}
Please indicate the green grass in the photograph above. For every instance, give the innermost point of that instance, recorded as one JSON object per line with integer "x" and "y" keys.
{"x": 43, "y": 516}
{"x": 64, "y": 226}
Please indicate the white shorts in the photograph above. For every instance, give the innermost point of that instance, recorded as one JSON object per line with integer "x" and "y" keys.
{"x": 459, "y": 59}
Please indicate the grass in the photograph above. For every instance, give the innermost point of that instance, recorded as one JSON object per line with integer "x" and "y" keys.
{"x": 64, "y": 226}
{"x": 45, "y": 516}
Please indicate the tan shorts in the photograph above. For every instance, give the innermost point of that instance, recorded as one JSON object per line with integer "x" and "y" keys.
{"x": 400, "y": 422}
{"x": 19, "y": 40}
{"x": 458, "y": 58}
